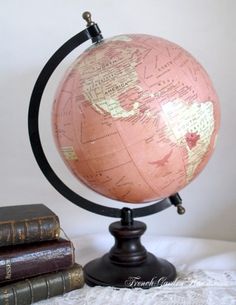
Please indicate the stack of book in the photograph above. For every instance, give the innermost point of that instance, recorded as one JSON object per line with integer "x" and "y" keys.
{"x": 35, "y": 262}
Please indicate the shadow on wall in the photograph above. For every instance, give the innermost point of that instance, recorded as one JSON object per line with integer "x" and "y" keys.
{"x": 220, "y": 221}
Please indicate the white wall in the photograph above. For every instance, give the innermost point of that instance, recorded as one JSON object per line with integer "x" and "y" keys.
{"x": 32, "y": 30}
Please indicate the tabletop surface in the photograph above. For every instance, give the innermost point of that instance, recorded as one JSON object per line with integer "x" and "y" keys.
{"x": 206, "y": 273}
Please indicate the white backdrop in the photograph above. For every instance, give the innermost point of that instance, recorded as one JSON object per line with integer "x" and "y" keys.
{"x": 31, "y": 31}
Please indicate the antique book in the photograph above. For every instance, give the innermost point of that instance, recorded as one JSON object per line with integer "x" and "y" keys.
{"x": 27, "y": 223}
{"x": 42, "y": 287}
{"x": 23, "y": 261}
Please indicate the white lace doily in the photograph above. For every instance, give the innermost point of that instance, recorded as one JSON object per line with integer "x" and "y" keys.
{"x": 192, "y": 288}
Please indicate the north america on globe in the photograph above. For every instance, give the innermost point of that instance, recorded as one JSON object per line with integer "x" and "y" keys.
{"x": 136, "y": 118}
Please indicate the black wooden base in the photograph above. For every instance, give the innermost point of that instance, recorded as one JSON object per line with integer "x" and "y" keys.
{"x": 128, "y": 264}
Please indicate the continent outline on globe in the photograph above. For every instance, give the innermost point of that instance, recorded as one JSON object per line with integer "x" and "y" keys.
{"x": 136, "y": 118}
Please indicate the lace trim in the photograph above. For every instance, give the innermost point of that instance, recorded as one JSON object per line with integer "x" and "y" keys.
{"x": 193, "y": 288}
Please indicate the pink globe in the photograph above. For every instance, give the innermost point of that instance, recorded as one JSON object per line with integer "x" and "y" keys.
{"x": 136, "y": 118}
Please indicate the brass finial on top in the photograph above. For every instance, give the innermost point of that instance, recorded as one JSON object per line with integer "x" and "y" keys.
{"x": 87, "y": 17}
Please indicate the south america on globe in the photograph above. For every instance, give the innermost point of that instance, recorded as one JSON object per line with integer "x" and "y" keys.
{"x": 136, "y": 118}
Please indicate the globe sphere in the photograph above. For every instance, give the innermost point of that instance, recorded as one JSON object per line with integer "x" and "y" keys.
{"x": 136, "y": 118}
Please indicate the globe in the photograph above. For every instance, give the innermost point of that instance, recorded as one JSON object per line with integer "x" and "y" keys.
{"x": 135, "y": 118}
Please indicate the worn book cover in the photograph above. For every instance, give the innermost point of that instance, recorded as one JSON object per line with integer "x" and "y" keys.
{"x": 23, "y": 261}
{"x": 42, "y": 287}
{"x": 27, "y": 223}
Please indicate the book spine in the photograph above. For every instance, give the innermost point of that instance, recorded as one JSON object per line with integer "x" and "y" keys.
{"x": 28, "y": 231}
{"x": 42, "y": 287}
{"x": 23, "y": 261}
